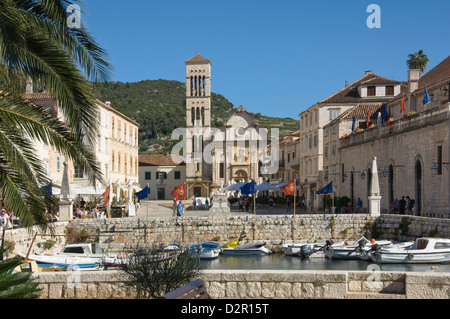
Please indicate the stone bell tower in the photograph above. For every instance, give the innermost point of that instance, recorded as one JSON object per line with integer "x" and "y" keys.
{"x": 198, "y": 126}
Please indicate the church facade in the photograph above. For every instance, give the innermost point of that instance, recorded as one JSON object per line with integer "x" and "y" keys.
{"x": 217, "y": 157}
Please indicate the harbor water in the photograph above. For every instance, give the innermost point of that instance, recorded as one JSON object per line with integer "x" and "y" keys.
{"x": 283, "y": 262}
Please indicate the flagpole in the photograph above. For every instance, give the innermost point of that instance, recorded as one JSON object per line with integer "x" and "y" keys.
{"x": 254, "y": 214}
{"x": 295, "y": 203}
{"x": 332, "y": 207}
{"x": 146, "y": 235}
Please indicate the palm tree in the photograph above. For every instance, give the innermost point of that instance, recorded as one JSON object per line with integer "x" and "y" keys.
{"x": 37, "y": 43}
{"x": 418, "y": 60}
{"x": 16, "y": 285}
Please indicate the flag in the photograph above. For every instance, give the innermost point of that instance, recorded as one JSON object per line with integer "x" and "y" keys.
{"x": 248, "y": 188}
{"x": 353, "y": 124}
{"x": 143, "y": 194}
{"x": 368, "y": 118}
{"x": 106, "y": 195}
{"x": 179, "y": 191}
{"x": 326, "y": 190}
{"x": 385, "y": 115}
{"x": 289, "y": 189}
{"x": 426, "y": 98}
{"x": 402, "y": 108}
{"x": 47, "y": 190}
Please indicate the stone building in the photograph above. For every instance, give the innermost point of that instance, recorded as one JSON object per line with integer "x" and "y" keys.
{"x": 116, "y": 151}
{"x": 288, "y": 167}
{"x": 216, "y": 157}
{"x": 412, "y": 148}
{"x": 370, "y": 88}
{"x": 161, "y": 173}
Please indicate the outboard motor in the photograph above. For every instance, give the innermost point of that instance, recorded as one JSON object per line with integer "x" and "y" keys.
{"x": 328, "y": 249}
{"x": 306, "y": 251}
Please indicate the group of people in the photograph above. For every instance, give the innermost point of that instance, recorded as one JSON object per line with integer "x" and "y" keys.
{"x": 403, "y": 206}
{"x": 83, "y": 212}
{"x": 246, "y": 203}
{"x": 197, "y": 203}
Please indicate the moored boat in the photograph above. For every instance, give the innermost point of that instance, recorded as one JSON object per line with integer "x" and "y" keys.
{"x": 294, "y": 249}
{"x": 246, "y": 249}
{"x": 205, "y": 250}
{"x": 66, "y": 262}
{"x": 72, "y": 257}
{"x": 423, "y": 250}
{"x": 360, "y": 249}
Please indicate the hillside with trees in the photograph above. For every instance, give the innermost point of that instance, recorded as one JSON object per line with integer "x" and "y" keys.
{"x": 159, "y": 107}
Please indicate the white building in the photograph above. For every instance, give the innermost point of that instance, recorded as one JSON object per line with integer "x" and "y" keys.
{"x": 370, "y": 88}
{"x": 116, "y": 151}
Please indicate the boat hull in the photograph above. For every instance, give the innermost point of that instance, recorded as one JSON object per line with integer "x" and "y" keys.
{"x": 66, "y": 263}
{"x": 245, "y": 252}
{"x": 205, "y": 250}
{"x": 411, "y": 257}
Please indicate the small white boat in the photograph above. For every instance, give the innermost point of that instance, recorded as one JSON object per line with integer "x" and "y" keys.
{"x": 142, "y": 256}
{"x": 169, "y": 249}
{"x": 247, "y": 249}
{"x": 72, "y": 257}
{"x": 421, "y": 251}
{"x": 205, "y": 250}
{"x": 66, "y": 263}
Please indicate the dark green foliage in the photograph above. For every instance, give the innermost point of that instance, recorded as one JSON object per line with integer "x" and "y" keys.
{"x": 16, "y": 285}
{"x": 159, "y": 106}
{"x": 153, "y": 278}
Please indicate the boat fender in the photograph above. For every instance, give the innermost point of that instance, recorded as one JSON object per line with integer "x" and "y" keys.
{"x": 411, "y": 256}
{"x": 372, "y": 241}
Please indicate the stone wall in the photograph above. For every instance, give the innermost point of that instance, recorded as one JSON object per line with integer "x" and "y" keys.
{"x": 261, "y": 284}
{"x": 128, "y": 233}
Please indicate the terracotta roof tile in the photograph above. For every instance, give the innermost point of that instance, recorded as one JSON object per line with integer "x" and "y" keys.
{"x": 359, "y": 111}
{"x": 160, "y": 160}
{"x": 437, "y": 74}
{"x": 350, "y": 93}
{"x": 198, "y": 59}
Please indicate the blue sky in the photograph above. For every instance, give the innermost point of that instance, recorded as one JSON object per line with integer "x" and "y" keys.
{"x": 273, "y": 57}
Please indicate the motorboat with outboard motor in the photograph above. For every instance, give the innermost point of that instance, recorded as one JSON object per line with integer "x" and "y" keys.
{"x": 360, "y": 249}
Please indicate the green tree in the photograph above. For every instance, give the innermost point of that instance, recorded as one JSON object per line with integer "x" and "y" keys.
{"x": 37, "y": 43}
{"x": 418, "y": 60}
{"x": 154, "y": 278}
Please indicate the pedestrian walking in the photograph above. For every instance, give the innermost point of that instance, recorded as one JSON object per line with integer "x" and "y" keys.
{"x": 288, "y": 205}
{"x": 180, "y": 211}
{"x": 270, "y": 204}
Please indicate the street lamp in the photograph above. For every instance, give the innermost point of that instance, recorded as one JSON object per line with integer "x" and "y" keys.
{"x": 434, "y": 169}
{"x": 363, "y": 176}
